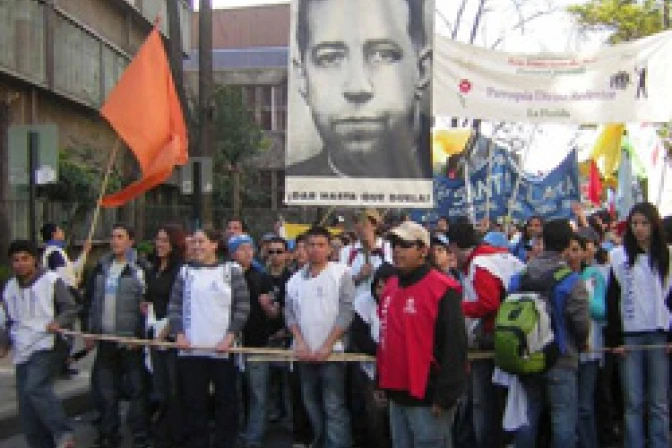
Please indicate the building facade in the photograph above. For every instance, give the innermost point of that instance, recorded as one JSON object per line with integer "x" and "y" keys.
{"x": 251, "y": 52}
{"x": 58, "y": 61}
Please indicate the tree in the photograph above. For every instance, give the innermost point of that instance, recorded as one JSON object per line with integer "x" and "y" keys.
{"x": 625, "y": 20}
{"x": 77, "y": 188}
{"x": 237, "y": 138}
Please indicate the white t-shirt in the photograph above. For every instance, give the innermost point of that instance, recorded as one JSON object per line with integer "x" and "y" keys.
{"x": 110, "y": 301}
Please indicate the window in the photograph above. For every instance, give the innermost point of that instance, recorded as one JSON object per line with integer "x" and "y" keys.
{"x": 22, "y": 38}
{"x": 113, "y": 66}
{"x": 77, "y": 57}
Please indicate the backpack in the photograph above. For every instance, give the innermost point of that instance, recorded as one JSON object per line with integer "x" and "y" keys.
{"x": 529, "y": 332}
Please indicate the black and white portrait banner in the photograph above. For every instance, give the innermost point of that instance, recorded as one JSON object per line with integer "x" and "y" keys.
{"x": 359, "y": 104}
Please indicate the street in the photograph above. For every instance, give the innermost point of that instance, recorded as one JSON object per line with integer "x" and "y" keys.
{"x": 86, "y": 434}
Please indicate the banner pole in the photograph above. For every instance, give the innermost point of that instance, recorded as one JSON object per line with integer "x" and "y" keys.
{"x": 96, "y": 212}
{"x": 519, "y": 180}
{"x": 488, "y": 193}
{"x": 326, "y": 216}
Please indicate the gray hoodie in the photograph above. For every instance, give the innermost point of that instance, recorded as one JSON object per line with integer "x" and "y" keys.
{"x": 576, "y": 313}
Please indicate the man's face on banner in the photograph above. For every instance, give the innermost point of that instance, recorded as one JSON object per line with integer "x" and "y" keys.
{"x": 361, "y": 72}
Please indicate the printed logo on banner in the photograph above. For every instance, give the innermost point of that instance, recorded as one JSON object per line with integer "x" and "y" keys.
{"x": 611, "y": 85}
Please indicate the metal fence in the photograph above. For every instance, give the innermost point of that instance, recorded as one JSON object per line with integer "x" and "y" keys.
{"x": 14, "y": 217}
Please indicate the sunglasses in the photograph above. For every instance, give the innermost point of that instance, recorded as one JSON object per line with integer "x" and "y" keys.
{"x": 276, "y": 252}
{"x": 404, "y": 244}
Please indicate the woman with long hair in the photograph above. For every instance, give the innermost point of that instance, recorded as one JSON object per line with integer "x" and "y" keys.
{"x": 209, "y": 306}
{"x": 532, "y": 230}
{"x": 638, "y": 316}
{"x": 167, "y": 259}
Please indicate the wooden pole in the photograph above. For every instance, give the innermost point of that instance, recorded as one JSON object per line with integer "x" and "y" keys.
{"x": 324, "y": 219}
{"x": 96, "y": 212}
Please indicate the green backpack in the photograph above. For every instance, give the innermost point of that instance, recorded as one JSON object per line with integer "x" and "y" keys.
{"x": 525, "y": 340}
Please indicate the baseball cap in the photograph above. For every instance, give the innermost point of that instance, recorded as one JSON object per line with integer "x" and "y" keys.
{"x": 440, "y": 239}
{"x": 372, "y": 214}
{"x": 412, "y": 232}
{"x": 238, "y": 240}
{"x": 496, "y": 239}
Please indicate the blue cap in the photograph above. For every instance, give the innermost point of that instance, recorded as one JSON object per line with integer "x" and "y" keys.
{"x": 496, "y": 239}
{"x": 236, "y": 241}
{"x": 440, "y": 239}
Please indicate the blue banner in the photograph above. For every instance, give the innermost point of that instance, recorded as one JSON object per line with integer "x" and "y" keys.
{"x": 550, "y": 196}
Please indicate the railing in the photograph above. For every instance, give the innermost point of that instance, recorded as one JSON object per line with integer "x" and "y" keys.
{"x": 147, "y": 219}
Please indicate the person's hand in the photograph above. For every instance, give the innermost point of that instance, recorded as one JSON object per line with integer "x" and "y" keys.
{"x": 280, "y": 334}
{"x": 182, "y": 342}
{"x": 270, "y": 307}
{"x": 577, "y": 208}
{"x": 365, "y": 272}
{"x": 620, "y": 351}
{"x": 144, "y": 308}
{"x": 380, "y": 398}
{"x": 225, "y": 344}
{"x": 437, "y": 410}
{"x": 89, "y": 344}
{"x": 163, "y": 335}
{"x": 86, "y": 247}
{"x": 53, "y": 327}
{"x": 323, "y": 353}
{"x": 302, "y": 351}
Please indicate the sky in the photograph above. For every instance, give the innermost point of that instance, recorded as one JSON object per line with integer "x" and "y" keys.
{"x": 552, "y": 31}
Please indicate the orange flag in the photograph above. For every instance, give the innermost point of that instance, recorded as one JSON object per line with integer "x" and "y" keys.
{"x": 143, "y": 108}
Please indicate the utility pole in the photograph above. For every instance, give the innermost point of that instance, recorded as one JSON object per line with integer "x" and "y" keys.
{"x": 202, "y": 207}
{"x": 666, "y": 14}
{"x": 5, "y": 118}
{"x": 176, "y": 55}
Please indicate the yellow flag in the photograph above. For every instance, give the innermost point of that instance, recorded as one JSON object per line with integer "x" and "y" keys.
{"x": 607, "y": 149}
{"x": 450, "y": 141}
{"x": 292, "y": 230}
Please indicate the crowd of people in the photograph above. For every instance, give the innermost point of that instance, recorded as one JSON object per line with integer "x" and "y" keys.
{"x": 428, "y": 303}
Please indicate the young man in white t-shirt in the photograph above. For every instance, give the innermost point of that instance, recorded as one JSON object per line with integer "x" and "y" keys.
{"x": 319, "y": 311}
{"x": 36, "y": 304}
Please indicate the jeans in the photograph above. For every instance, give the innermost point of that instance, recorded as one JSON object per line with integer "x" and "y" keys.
{"x": 116, "y": 366}
{"x": 281, "y": 397}
{"x": 559, "y": 389}
{"x": 377, "y": 421}
{"x": 165, "y": 393}
{"x": 486, "y": 413}
{"x": 258, "y": 388}
{"x": 323, "y": 390}
{"x": 417, "y": 427}
{"x": 587, "y": 428}
{"x": 197, "y": 374}
{"x": 645, "y": 379}
{"x": 41, "y": 414}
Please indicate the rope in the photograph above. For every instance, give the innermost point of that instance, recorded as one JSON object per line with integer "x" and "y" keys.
{"x": 260, "y": 354}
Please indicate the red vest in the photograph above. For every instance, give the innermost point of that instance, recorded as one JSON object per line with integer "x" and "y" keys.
{"x": 407, "y": 322}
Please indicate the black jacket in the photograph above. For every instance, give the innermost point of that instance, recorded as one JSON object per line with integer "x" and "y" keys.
{"x": 258, "y": 327}
{"x": 448, "y": 374}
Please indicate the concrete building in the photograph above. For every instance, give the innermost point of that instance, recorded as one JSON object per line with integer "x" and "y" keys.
{"x": 251, "y": 51}
{"x": 58, "y": 61}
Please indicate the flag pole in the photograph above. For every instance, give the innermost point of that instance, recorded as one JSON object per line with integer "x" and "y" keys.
{"x": 488, "y": 192}
{"x": 96, "y": 212}
{"x": 521, "y": 168}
